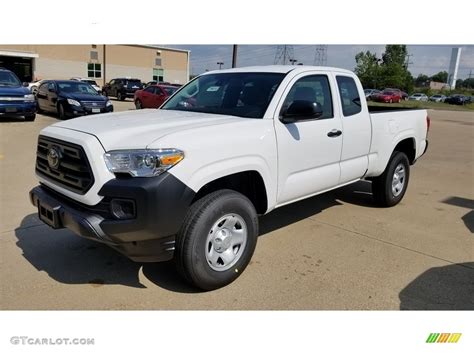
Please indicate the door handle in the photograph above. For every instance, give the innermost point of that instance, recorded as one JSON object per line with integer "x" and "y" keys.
{"x": 334, "y": 133}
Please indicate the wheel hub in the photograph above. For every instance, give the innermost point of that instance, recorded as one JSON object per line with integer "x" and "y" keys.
{"x": 398, "y": 180}
{"x": 226, "y": 242}
{"x": 222, "y": 240}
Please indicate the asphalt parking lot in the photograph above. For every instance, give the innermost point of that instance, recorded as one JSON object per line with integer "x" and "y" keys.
{"x": 335, "y": 251}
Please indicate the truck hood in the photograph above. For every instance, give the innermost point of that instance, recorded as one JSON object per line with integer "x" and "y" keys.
{"x": 138, "y": 129}
{"x": 13, "y": 91}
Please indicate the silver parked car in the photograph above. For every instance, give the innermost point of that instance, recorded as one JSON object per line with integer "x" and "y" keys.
{"x": 437, "y": 98}
{"x": 418, "y": 97}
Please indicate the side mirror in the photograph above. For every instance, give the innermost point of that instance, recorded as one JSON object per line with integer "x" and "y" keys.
{"x": 302, "y": 110}
{"x": 25, "y": 84}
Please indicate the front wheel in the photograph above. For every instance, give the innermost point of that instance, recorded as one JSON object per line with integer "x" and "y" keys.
{"x": 389, "y": 188}
{"x": 138, "y": 104}
{"x": 61, "y": 112}
{"x": 30, "y": 118}
{"x": 120, "y": 96}
{"x": 217, "y": 239}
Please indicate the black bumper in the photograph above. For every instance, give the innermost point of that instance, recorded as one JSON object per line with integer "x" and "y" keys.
{"x": 160, "y": 206}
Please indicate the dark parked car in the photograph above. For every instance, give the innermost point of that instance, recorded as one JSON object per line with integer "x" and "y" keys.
{"x": 71, "y": 98}
{"x": 122, "y": 88}
{"x": 153, "y": 96}
{"x": 15, "y": 99}
{"x": 457, "y": 100}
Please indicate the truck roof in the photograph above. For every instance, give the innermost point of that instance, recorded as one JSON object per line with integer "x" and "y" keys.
{"x": 277, "y": 69}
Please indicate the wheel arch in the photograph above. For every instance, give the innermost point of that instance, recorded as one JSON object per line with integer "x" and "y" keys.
{"x": 250, "y": 183}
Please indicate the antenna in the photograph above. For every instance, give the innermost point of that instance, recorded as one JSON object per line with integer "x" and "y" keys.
{"x": 321, "y": 55}
{"x": 284, "y": 54}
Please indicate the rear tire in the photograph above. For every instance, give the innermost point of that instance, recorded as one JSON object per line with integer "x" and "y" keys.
{"x": 120, "y": 96}
{"x": 389, "y": 188}
{"x": 217, "y": 239}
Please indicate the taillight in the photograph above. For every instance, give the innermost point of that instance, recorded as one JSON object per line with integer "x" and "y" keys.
{"x": 428, "y": 123}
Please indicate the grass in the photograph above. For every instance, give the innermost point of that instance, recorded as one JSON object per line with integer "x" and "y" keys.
{"x": 426, "y": 105}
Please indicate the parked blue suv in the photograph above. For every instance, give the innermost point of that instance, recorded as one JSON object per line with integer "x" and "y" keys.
{"x": 15, "y": 99}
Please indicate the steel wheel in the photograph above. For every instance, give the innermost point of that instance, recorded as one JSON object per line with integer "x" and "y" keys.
{"x": 398, "y": 180}
{"x": 226, "y": 242}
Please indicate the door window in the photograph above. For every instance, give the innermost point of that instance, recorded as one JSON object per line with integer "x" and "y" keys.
{"x": 314, "y": 88}
{"x": 349, "y": 94}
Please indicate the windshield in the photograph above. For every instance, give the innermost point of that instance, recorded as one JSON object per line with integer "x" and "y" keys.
{"x": 133, "y": 83}
{"x": 235, "y": 94}
{"x": 79, "y": 87}
{"x": 7, "y": 78}
{"x": 92, "y": 82}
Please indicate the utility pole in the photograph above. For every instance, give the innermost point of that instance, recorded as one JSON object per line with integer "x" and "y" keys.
{"x": 407, "y": 63}
{"x": 234, "y": 56}
{"x": 284, "y": 54}
{"x": 220, "y": 64}
{"x": 103, "y": 63}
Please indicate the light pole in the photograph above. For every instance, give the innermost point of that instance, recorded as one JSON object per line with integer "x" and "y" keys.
{"x": 220, "y": 64}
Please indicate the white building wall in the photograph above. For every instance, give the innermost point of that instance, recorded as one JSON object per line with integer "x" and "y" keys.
{"x": 45, "y": 68}
{"x": 175, "y": 76}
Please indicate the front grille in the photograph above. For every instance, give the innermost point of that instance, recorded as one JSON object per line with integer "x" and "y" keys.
{"x": 93, "y": 104}
{"x": 73, "y": 173}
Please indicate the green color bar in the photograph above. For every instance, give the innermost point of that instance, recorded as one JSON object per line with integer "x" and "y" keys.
{"x": 432, "y": 337}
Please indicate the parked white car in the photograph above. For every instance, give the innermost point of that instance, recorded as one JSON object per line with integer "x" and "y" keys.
{"x": 438, "y": 98}
{"x": 187, "y": 181}
{"x": 33, "y": 86}
{"x": 418, "y": 97}
{"x": 92, "y": 83}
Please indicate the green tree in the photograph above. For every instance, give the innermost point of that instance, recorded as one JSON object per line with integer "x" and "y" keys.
{"x": 441, "y": 77}
{"x": 421, "y": 79}
{"x": 367, "y": 69}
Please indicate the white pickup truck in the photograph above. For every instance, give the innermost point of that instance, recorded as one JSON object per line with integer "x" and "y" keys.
{"x": 187, "y": 181}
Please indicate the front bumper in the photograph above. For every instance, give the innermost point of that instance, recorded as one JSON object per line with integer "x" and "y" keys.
{"x": 75, "y": 111}
{"x": 17, "y": 108}
{"x": 160, "y": 206}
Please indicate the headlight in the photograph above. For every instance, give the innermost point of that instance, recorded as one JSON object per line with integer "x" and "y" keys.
{"x": 109, "y": 103}
{"x": 29, "y": 97}
{"x": 142, "y": 162}
{"x": 73, "y": 102}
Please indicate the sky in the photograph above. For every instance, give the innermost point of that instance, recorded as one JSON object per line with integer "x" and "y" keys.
{"x": 425, "y": 59}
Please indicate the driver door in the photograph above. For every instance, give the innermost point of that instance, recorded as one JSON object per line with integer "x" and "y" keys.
{"x": 309, "y": 151}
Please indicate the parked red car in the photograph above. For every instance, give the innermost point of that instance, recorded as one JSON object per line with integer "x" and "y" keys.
{"x": 387, "y": 96}
{"x": 153, "y": 96}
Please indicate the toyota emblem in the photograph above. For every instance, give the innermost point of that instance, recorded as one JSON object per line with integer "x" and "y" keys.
{"x": 54, "y": 156}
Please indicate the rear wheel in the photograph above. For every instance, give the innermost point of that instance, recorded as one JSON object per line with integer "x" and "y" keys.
{"x": 389, "y": 188}
{"x": 217, "y": 239}
{"x": 120, "y": 96}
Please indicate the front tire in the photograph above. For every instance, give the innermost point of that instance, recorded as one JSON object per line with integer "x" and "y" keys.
{"x": 138, "y": 105}
{"x": 30, "y": 118}
{"x": 389, "y": 188}
{"x": 217, "y": 239}
{"x": 120, "y": 96}
{"x": 61, "y": 112}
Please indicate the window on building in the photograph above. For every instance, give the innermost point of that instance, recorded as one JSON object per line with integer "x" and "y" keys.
{"x": 94, "y": 70}
{"x": 350, "y": 99}
{"x": 158, "y": 75}
{"x": 158, "y": 62}
{"x": 94, "y": 55}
